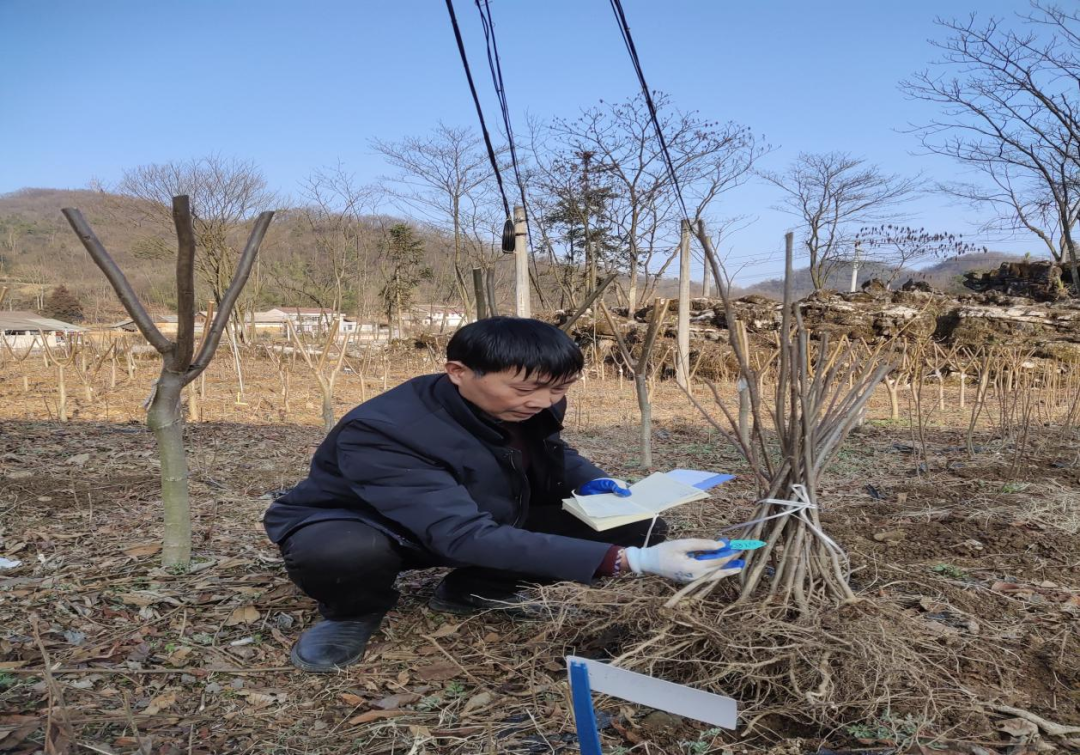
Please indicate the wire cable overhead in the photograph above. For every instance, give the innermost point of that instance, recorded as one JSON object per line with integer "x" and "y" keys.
{"x": 479, "y": 110}
{"x": 495, "y": 65}
{"x": 628, "y": 40}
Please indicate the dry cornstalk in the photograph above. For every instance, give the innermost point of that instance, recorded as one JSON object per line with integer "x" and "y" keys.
{"x": 787, "y": 446}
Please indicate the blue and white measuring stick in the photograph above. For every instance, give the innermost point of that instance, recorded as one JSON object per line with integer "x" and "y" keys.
{"x": 734, "y": 546}
{"x": 589, "y": 676}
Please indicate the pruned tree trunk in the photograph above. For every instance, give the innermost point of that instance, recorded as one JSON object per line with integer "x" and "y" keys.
{"x": 164, "y": 419}
{"x": 61, "y": 399}
{"x": 325, "y": 369}
{"x": 194, "y": 407}
{"x": 640, "y": 371}
{"x": 180, "y": 365}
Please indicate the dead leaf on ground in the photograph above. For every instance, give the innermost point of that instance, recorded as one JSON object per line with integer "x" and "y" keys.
{"x": 1018, "y": 727}
{"x": 478, "y": 701}
{"x": 143, "y": 598}
{"x": 350, "y": 699}
{"x": 160, "y": 703}
{"x": 1036, "y": 593}
{"x": 625, "y": 731}
{"x": 438, "y": 672}
{"x": 393, "y": 702}
{"x": 139, "y": 551}
{"x": 445, "y": 630}
{"x": 262, "y": 698}
{"x": 243, "y": 615}
{"x": 375, "y": 715}
{"x": 24, "y": 726}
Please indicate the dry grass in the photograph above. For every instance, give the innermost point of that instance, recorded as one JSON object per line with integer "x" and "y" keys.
{"x": 835, "y": 667}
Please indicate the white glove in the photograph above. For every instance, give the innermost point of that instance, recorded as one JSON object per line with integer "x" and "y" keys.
{"x": 673, "y": 560}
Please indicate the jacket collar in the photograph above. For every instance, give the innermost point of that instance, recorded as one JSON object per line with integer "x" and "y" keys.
{"x": 545, "y": 423}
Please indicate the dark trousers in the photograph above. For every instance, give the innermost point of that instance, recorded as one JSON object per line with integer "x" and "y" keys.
{"x": 349, "y": 567}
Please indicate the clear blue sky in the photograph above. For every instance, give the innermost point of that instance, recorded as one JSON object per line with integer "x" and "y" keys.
{"x": 88, "y": 89}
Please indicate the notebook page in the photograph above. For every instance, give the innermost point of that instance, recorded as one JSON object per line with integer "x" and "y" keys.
{"x": 652, "y": 495}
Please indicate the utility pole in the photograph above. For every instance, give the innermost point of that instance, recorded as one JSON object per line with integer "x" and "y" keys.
{"x": 855, "y": 268}
{"x": 521, "y": 265}
{"x": 682, "y": 355}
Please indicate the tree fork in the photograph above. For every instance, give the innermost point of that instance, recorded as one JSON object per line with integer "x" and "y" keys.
{"x": 178, "y": 368}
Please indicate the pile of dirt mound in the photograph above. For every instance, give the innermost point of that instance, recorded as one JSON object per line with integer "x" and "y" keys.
{"x": 1049, "y": 326}
{"x": 1051, "y": 330}
{"x": 1040, "y": 280}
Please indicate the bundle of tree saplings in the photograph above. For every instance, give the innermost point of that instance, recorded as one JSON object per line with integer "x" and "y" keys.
{"x": 821, "y": 390}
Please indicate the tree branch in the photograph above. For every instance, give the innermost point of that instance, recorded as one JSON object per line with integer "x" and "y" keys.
{"x": 588, "y": 302}
{"x": 660, "y": 308}
{"x": 185, "y": 282}
{"x": 243, "y": 270}
{"x": 116, "y": 278}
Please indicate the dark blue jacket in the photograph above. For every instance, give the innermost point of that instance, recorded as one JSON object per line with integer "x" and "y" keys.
{"x": 420, "y": 464}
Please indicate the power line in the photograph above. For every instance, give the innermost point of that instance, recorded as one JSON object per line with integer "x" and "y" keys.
{"x": 479, "y": 110}
{"x": 628, "y": 40}
{"x": 495, "y": 65}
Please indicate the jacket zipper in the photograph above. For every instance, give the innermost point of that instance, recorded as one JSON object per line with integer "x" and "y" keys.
{"x": 522, "y": 513}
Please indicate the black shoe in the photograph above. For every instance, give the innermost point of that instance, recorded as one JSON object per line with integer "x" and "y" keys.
{"x": 332, "y": 645}
{"x": 463, "y": 601}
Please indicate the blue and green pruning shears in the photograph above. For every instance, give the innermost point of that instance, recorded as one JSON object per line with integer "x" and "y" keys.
{"x": 734, "y": 546}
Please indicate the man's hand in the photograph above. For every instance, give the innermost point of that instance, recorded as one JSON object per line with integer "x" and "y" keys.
{"x": 604, "y": 485}
{"x": 675, "y": 560}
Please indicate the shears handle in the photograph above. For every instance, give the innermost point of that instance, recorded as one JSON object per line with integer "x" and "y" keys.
{"x": 710, "y": 555}
{"x": 735, "y": 546}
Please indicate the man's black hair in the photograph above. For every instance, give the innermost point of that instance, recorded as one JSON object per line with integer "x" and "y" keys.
{"x": 497, "y": 344}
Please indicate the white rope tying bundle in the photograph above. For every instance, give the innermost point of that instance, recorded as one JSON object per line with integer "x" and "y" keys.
{"x": 797, "y": 507}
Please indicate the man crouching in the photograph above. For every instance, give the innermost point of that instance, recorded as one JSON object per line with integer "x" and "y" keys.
{"x": 464, "y": 469}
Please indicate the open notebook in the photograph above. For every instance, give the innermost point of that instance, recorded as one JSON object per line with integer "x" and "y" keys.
{"x": 649, "y": 497}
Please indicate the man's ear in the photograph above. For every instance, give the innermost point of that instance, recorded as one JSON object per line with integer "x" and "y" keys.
{"x": 456, "y": 371}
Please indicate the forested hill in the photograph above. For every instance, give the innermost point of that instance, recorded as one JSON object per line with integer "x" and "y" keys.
{"x": 38, "y": 250}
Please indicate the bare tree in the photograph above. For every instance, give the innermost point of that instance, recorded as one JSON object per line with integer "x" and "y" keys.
{"x": 898, "y": 247}
{"x": 180, "y": 364}
{"x": 447, "y": 177}
{"x": 325, "y": 367}
{"x": 708, "y": 158}
{"x": 831, "y": 194}
{"x": 1011, "y": 110}
{"x": 547, "y": 189}
{"x": 225, "y": 195}
{"x": 335, "y": 275}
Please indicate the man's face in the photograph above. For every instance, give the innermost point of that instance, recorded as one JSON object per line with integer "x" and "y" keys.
{"x": 508, "y": 395}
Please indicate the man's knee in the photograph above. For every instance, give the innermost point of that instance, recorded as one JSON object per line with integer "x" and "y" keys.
{"x": 338, "y": 547}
